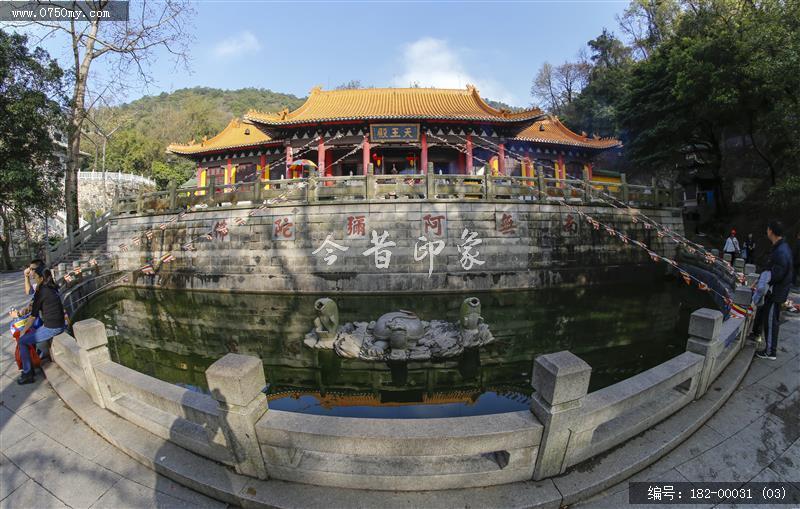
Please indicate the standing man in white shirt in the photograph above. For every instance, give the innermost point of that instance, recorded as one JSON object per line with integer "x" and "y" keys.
{"x": 732, "y": 245}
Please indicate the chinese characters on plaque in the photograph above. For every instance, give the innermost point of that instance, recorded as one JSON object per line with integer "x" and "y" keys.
{"x": 388, "y": 133}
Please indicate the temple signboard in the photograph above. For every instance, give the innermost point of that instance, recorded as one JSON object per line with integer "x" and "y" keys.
{"x": 393, "y": 133}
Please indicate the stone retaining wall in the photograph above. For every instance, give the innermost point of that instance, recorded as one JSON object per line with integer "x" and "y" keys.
{"x": 521, "y": 246}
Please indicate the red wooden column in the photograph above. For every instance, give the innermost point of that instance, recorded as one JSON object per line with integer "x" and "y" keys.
{"x": 423, "y": 157}
{"x": 590, "y": 168}
{"x": 264, "y": 172}
{"x": 288, "y": 160}
{"x": 501, "y": 159}
{"x": 562, "y": 173}
{"x": 228, "y": 172}
{"x": 365, "y": 154}
{"x": 469, "y": 155}
{"x": 323, "y": 172}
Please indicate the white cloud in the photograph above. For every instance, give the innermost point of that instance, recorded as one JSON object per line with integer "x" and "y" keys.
{"x": 432, "y": 62}
{"x": 237, "y": 45}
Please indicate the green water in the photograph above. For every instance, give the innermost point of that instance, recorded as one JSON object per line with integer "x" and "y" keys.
{"x": 620, "y": 330}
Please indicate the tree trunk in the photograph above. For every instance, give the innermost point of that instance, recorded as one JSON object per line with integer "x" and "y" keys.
{"x": 5, "y": 243}
{"x": 71, "y": 176}
{"x": 76, "y": 117}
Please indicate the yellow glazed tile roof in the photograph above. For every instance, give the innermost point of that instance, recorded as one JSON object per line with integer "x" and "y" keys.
{"x": 238, "y": 133}
{"x": 551, "y": 130}
{"x": 392, "y": 103}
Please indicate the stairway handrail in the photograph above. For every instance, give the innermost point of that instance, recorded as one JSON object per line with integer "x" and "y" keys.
{"x": 75, "y": 238}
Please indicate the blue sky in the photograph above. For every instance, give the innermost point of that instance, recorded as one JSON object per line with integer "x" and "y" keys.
{"x": 293, "y": 46}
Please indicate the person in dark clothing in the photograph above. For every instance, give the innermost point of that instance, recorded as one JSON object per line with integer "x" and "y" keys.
{"x": 749, "y": 249}
{"x": 780, "y": 265}
{"x": 46, "y": 304}
{"x": 797, "y": 260}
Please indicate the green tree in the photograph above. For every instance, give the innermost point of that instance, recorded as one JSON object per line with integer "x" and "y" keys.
{"x": 30, "y": 95}
{"x": 126, "y": 49}
{"x": 729, "y": 73}
{"x": 176, "y": 172}
{"x": 595, "y": 109}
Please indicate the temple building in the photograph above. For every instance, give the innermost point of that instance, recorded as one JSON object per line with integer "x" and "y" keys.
{"x": 396, "y": 131}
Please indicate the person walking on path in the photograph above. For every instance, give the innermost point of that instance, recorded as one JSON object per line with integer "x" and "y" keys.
{"x": 47, "y": 302}
{"x": 780, "y": 266}
{"x": 732, "y": 246}
{"x": 749, "y": 249}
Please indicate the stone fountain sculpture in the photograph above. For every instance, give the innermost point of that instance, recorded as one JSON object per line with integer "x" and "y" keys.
{"x": 399, "y": 335}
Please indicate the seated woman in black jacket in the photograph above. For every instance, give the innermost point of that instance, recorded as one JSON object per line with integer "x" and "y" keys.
{"x": 47, "y": 304}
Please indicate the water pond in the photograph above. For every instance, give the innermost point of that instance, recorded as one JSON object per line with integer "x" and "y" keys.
{"x": 620, "y": 330}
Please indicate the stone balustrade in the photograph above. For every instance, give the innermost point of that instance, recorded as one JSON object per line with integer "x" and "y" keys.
{"x": 427, "y": 187}
{"x": 579, "y": 425}
{"x": 75, "y": 238}
{"x": 566, "y": 424}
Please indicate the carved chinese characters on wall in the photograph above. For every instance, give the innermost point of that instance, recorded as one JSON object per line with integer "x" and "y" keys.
{"x": 429, "y": 249}
{"x": 283, "y": 228}
{"x": 355, "y": 226}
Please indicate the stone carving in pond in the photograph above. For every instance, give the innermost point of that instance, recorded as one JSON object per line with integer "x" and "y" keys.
{"x": 399, "y": 335}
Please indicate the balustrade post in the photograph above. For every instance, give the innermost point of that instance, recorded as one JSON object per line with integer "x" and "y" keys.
{"x": 587, "y": 187}
{"x": 257, "y": 189}
{"x": 140, "y": 202}
{"x": 430, "y": 183}
{"x": 491, "y": 190}
{"x": 560, "y": 381}
{"x": 541, "y": 185}
{"x": 311, "y": 189}
{"x": 704, "y": 339}
{"x": 743, "y": 296}
{"x": 237, "y": 382}
{"x": 369, "y": 180}
{"x": 625, "y": 191}
{"x": 93, "y": 342}
{"x": 211, "y": 189}
{"x": 173, "y": 195}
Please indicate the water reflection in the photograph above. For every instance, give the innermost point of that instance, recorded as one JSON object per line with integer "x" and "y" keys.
{"x": 619, "y": 330}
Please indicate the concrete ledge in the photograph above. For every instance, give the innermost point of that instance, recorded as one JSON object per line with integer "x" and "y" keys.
{"x": 604, "y": 470}
{"x": 400, "y": 454}
{"x": 400, "y": 437}
{"x": 220, "y": 482}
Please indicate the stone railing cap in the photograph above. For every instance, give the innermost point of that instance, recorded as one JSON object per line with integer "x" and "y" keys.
{"x": 236, "y": 379}
{"x": 90, "y": 333}
{"x": 560, "y": 377}
{"x": 705, "y": 323}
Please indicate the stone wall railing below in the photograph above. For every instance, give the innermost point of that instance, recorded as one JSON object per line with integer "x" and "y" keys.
{"x": 566, "y": 424}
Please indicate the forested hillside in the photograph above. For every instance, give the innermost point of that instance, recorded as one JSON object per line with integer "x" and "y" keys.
{"x": 148, "y": 125}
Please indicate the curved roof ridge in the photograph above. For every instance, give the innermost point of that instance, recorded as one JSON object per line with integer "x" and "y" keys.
{"x": 552, "y": 130}
{"x": 392, "y": 103}
{"x": 238, "y": 133}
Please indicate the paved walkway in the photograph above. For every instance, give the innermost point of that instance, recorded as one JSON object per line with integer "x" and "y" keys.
{"x": 50, "y": 458}
{"x": 755, "y": 436}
